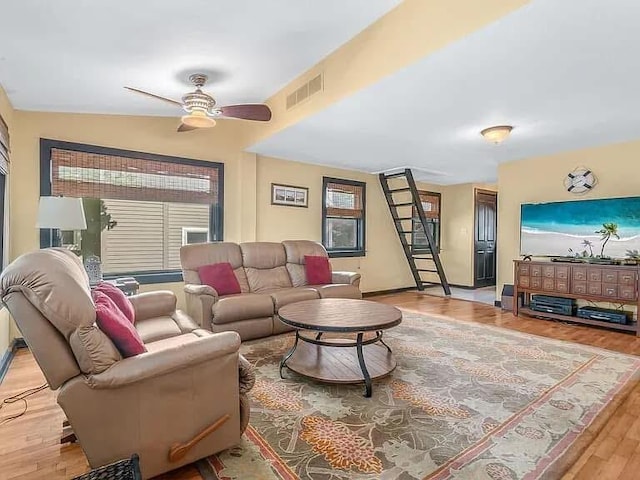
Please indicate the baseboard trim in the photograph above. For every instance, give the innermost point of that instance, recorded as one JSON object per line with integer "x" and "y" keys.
{"x": 7, "y": 358}
{"x": 387, "y": 292}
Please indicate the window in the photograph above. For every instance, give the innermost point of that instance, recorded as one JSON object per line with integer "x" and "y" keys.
{"x": 140, "y": 208}
{"x": 4, "y": 170}
{"x": 431, "y": 206}
{"x": 343, "y": 217}
{"x": 191, "y": 235}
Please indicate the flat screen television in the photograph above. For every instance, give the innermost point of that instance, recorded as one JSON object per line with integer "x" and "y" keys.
{"x": 568, "y": 228}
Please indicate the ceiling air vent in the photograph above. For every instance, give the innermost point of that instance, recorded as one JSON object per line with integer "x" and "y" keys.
{"x": 310, "y": 88}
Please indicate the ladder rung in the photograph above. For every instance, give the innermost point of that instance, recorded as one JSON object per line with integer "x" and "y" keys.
{"x": 405, "y": 189}
{"x": 395, "y": 175}
{"x": 400, "y": 219}
{"x": 426, "y": 270}
{"x": 405, "y": 231}
{"x": 401, "y": 204}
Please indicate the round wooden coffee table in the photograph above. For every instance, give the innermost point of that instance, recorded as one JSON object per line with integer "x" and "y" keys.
{"x": 340, "y": 360}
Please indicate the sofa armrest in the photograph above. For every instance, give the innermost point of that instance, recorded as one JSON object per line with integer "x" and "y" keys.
{"x": 200, "y": 300}
{"x": 162, "y": 362}
{"x": 154, "y": 304}
{"x": 351, "y": 278}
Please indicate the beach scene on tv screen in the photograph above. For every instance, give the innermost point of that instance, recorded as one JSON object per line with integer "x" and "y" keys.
{"x": 569, "y": 228}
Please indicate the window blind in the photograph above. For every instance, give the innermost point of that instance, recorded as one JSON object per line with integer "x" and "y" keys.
{"x": 430, "y": 205}
{"x": 91, "y": 175}
{"x": 4, "y": 147}
{"x": 343, "y": 200}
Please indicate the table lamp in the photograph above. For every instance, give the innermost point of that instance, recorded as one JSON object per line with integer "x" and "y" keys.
{"x": 61, "y": 213}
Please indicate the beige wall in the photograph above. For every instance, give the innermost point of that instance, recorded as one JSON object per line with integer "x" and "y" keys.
{"x": 384, "y": 266}
{"x": 541, "y": 180}
{"x": 7, "y": 113}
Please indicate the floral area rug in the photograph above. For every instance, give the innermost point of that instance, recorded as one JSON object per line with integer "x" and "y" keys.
{"x": 466, "y": 401}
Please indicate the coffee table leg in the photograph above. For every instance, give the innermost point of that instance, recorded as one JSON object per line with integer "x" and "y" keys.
{"x": 363, "y": 366}
{"x": 283, "y": 362}
{"x": 382, "y": 341}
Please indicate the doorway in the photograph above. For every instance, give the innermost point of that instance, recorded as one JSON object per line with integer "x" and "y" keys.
{"x": 484, "y": 251}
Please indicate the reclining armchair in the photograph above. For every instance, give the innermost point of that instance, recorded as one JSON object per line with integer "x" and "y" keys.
{"x": 182, "y": 400}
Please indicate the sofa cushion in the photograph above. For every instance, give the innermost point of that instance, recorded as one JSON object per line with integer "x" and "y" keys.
{"x": 295, "y": 251}
{"x": 263, "y": 255}
{"x": 157, "y": 328}
{"x": 197, "y": 255}
{"x": 318, "y": 270}
{"x": 117, "y": 327}
{"x": 286, "y": 296}
{"x": 261, "y": 281}
{"x": 219, "y": 276}
{"x": 119, "y": 298}
{"x": 242, "y": 307}
{"x": 338, "y": 291}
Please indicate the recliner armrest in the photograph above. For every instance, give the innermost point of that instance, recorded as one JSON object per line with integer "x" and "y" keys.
{"x": 162, "y": 362}
{"x": 351, "y": 278}
{"x": 154, "y": 304}
{"x": 200, "y": 300}
{"x": 200, "y": 290}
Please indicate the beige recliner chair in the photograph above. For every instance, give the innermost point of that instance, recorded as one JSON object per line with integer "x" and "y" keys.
{"x": 153, "y": 404}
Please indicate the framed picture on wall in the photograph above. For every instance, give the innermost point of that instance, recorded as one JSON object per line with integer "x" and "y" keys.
{"x": 289, "y": 195}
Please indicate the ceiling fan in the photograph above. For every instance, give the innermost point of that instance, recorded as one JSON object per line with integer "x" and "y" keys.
{"x": 202, "y": 110}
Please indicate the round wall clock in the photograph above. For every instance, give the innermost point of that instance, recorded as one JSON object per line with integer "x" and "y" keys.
{"x": 581, "y": 180}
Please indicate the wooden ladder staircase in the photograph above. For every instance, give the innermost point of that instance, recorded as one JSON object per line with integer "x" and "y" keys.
{"x": 422, "y": 259}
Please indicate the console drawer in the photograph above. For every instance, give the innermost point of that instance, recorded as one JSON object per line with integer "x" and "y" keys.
{"x": 594, "y": 289}
{"x": 524, "y": 282}
{"x": 609, "y": 276}
{"x": 579, "y": 288}
{"x": 610, "y": 290}
{"x": 594, "y": 274}
{"x": 579, "y": 273}
{"x": 627, "y": 292}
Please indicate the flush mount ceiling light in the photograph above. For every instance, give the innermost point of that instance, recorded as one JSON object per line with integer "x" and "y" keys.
{"x": 497, "y": 134}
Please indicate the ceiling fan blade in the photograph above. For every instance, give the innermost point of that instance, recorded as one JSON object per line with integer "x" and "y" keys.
{"x": 251, "y": 111}
{"x": 186, "y": 128}
{"x": 153, "y": 95}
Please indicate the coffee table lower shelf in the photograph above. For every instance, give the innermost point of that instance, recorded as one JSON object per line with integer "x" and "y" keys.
{"x": 339, "y": 364}
{"x": 631, "y": 327}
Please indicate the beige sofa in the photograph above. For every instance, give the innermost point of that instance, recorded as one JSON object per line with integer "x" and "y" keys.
{"x": 270, "y": 275}
{"x": 187, "y": 380}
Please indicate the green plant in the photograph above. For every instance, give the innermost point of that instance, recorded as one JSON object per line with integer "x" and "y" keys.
{"x": 607, "y": 231}
{"x": 98, "y": 219}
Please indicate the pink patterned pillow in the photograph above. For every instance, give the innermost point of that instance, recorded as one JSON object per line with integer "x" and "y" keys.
{"x": 119, "y": 298}
{"x": 116, "y": 326}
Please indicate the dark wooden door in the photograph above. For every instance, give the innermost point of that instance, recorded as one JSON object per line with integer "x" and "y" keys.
{"x": 486, "y": 207}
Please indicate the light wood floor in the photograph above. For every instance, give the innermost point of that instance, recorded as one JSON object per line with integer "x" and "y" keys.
{"x": 29, "y": 447}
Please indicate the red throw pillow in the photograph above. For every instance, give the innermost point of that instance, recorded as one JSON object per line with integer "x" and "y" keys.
{"x": 116, "y": 326}
{"x": 119, "y": 298}
{"x": 318, "y": 270}
{"x": 220, "y": 276}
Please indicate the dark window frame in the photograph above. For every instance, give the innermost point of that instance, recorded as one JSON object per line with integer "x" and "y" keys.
{"x": 418, "y": 248}
{"x": 216, "y": 214}
{"x": 360, "y": 250}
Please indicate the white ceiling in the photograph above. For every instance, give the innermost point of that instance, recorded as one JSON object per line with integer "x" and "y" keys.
{"x": 76, "y": 55}
{"x": 565, "y": 73}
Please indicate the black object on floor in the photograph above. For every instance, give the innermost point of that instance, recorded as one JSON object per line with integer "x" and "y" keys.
{"x": 128, "y": 469}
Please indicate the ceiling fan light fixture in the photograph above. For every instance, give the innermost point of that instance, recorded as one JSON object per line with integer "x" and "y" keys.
{"x": 497, "y": 134}
{"x": 198, "y": 119}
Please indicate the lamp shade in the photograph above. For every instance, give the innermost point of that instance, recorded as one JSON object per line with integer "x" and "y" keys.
{"x": 63, "y": 213}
